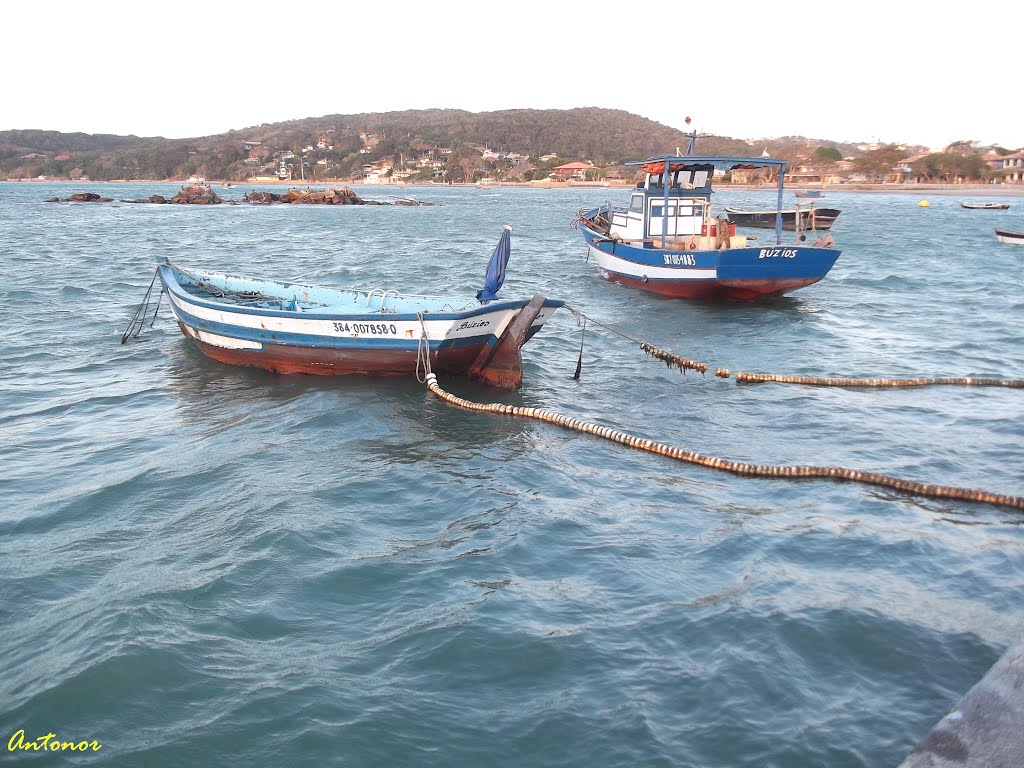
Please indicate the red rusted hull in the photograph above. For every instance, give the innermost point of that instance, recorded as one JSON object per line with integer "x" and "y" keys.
{"x": 717, "y": 290}
{"x": 504, "y": 368}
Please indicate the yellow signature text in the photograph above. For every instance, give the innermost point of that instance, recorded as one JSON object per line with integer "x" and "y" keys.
{"x": 49, "y": 742}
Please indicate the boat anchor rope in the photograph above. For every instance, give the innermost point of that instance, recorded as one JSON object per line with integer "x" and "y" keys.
{"x": 738, "y": 468}
{"x": 423, "y": 371}
{"x": 760, "y": 378}
{"x": 682, "y": 363}
{"x": 138, "y": 320}
{"x": 743, "y": 377}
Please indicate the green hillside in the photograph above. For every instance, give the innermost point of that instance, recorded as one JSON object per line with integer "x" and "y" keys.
{"x": 605, "y": 137}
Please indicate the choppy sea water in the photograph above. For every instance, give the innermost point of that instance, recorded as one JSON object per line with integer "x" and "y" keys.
{"x": 206, "y": 565}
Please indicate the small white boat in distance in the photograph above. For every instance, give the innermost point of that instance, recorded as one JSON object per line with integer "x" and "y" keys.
{"x": 984, "y": 206}
{"x": 1006, "y": 236}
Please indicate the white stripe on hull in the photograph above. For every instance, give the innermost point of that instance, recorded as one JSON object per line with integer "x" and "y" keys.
{"x": 217, "y": 340}
{"x": 437, "y": 330}
{"x": 612, "y": 263}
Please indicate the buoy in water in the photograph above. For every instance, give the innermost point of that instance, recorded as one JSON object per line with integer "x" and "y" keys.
{"x": 923, "y": 204}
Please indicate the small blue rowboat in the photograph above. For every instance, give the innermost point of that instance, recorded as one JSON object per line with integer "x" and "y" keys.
{"x": 296, "y": 328}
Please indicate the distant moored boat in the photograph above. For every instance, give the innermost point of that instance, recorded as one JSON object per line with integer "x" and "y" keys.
{"x": 1006, "y": 236}
{"x": 985, "y": 206}
{"x": 811, "y": 218}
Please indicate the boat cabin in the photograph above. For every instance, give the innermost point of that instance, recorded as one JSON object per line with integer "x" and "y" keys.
{"x": 672, "y": 205}
{"x": 681, "y": 210}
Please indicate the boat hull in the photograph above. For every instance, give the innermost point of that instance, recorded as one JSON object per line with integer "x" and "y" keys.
{"x": 737, "y": 274}
{"x": 810, "y": 219}
{"x": 1013, "y": 238}
{"x": 482, "y": 343}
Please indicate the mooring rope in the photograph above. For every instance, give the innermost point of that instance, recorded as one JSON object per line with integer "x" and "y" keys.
{"x": 739, "y": 468}
{"x": 138, "y": 321}
{"x": 743, "y": 377}
{"x": 423, "y": 372}
{"x": 667, "y": 357}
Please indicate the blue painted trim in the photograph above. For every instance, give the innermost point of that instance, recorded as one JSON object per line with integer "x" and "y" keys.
{"x": 323, "y": 342}
{"x": 738, "y": 263}
{"x": 171, "y": 284}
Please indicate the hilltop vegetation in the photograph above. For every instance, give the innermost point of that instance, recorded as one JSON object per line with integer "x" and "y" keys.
{"x": 337, "y": 147}
{"x": 605, "y": 137}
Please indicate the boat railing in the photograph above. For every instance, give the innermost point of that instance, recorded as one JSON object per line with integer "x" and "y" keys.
{"x": 383, "y": 296}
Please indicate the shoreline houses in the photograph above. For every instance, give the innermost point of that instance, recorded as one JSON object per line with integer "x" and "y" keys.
{"x": 375, "y": 158}
{"x": 1010, "y": 168}
{"x": 494, "y": 167}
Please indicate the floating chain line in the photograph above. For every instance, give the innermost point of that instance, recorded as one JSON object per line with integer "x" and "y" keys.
{"x": 667, "y": 357}
{"x": 670, "y": 359}
{"x": 742, "y": 377}
{"x": 739, "y": 468}
{"x": 761, "y": 378}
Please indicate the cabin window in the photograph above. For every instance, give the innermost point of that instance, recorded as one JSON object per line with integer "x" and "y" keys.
{"x": 700, "y": 178}
{"x": 657, "y": 209}
{"x": 636, "y": 204}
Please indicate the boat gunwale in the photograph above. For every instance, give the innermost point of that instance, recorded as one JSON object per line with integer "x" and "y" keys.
{"x": 174, "y": 285}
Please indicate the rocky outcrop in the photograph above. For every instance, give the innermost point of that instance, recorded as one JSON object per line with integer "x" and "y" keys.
{"x": 156, "y": 199}
{"x": 82, "y": 197}
{"x": 204, "y": 195}
{"x": 339, "y": 196}
{"x": 196, "y": 195}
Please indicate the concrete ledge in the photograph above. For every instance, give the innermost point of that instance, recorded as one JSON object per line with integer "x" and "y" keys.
{"x": 986, "y": 729}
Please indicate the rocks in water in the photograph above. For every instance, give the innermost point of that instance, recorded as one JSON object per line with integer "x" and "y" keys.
{"x": 340, "y": 196}
{"x": 196, "y": 195}
{"x": 260, "y": 197}
{"x": 200, "y": 194}
{"x": 82, "y": 197}
{"x": 156, "y": 199}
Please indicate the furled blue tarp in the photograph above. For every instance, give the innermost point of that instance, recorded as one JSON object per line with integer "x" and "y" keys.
{"x": 721, "y": 163}
{"x": 496, "y": 266}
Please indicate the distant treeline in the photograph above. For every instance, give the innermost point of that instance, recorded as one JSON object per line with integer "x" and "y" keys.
{"x": 605, "y": 137}
{"x": 337, "y": 147}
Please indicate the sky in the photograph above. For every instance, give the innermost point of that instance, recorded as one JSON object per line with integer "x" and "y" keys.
{"x": 901, "y": 71}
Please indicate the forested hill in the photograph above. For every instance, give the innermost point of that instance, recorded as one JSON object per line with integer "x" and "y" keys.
{"x": 603, "y": 136}
{"x": 339, "y": 145}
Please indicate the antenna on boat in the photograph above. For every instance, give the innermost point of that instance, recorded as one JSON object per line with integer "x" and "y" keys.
{"x": 692, "y": 147}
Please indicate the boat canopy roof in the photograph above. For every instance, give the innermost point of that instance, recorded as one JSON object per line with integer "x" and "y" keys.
{"x": 688, "y": 162}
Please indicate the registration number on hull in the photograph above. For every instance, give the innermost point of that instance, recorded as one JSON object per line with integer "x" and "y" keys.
{"x": 680, "y": 259}
{"x": 374, "y": 329}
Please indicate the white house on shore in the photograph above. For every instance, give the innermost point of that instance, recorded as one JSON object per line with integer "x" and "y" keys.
{"x": 1011, "y": 169}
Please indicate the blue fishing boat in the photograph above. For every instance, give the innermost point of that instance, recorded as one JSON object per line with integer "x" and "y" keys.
{"x": 667, "y": 240}
{"x": 297, "y": 328}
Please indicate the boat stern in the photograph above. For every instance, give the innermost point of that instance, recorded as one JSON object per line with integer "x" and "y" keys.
{"x": 774, "y": 270}
{"x": 500, "y": 364}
